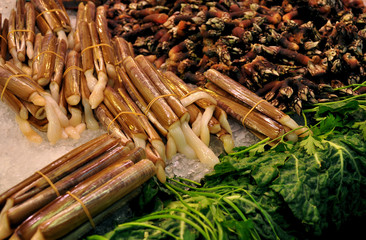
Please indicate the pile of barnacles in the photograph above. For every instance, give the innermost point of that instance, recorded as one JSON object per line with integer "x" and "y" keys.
{"x": 290, "y": 52}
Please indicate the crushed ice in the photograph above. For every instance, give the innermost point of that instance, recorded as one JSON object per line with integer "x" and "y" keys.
{"x": 193, "y": 169}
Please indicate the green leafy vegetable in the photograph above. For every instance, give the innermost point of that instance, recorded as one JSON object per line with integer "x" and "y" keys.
{"x": 320, "y": 179}
{"x": 311, "y": 145}
{"x": 362, "y": 127}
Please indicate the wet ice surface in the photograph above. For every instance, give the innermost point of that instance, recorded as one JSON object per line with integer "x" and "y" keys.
{"x": 193, "y": 169}
{"x": 20, "y": 158}
{"x": 180, "y": 166}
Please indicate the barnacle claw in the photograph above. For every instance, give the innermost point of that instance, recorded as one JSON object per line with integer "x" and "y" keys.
{"x": 297, "y": 105}
{"x": 287, "y": 91}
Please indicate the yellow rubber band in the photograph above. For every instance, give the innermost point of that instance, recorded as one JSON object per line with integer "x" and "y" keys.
{"x": 84, "y": 208}
{"x": 7, "y": 81}
{"x": 191, "y": 92}
{"x": 154, "y": 100}
{"x": 94, "y": 46}
{"x": 57, "y": 55}
{"x": 49, "y": 182}
{"x": 119, "y": 114}
{"x": 118, "y": 63}
{"x": 49, "y": 11}
{"x": 3, "y": 38}
{"x": 21, "y": 30}
{"x": 72, "y": 68}
{"x": 246, "y": 115}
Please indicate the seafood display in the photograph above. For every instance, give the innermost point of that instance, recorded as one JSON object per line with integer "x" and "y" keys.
{"x": 161, "y": 78}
